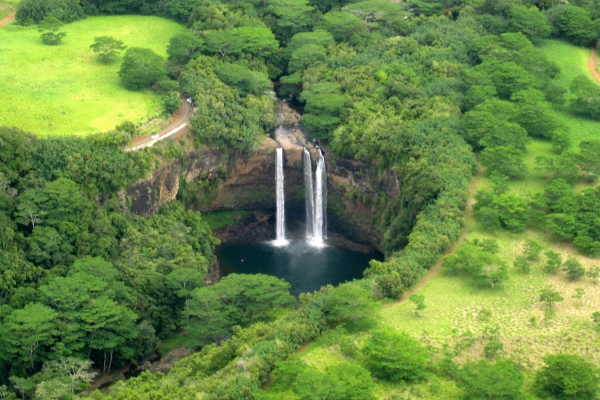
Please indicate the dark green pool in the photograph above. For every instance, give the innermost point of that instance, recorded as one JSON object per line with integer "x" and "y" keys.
{"x": 305, "y": 267}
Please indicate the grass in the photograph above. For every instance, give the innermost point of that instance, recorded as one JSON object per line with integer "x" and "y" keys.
{"x": 64, "y": 89}
{"x": 220, "y": 219}
{"x": 459, "y": 316}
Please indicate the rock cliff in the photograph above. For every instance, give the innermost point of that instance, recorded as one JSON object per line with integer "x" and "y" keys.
{"x": 210, "y": 179}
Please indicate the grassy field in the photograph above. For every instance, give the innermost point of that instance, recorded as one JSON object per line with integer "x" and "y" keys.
{"x": 459, "y": 316}
{"x": 64, "y": 89}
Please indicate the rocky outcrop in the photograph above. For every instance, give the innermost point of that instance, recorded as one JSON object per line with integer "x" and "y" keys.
{"x": 210, "y": 179}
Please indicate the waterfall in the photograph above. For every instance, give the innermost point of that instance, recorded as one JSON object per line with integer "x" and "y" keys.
{"x": 280, "y": 217}
{"x": 309, "y": 194}
{"x": 319, "y": 220}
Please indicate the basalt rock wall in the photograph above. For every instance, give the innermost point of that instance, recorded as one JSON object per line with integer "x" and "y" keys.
{"x": 210, "y": 179}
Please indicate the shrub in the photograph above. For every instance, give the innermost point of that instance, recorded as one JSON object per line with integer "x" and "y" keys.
{"x": 553, "y": 262}
{"x": 573, "y": 268}
{"x": 396, "y": 356}
{"x": 567, "y": 376}
{"x": 483, "y": 380}
{"x": 522, "y": 265}
{"x": 34, "y": 11}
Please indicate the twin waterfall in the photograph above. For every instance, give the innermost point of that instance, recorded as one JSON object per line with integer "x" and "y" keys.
{"x": 316, "y": 200}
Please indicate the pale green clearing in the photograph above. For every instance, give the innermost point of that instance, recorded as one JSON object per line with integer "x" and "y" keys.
{"x": 459, "y": 316}
{"x": 64, "y": 89}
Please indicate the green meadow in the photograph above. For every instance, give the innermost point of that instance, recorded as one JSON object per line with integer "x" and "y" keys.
{"x": 65, "y": 89}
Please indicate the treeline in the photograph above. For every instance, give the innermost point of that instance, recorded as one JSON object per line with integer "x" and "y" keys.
{"x": 82, "y": 279}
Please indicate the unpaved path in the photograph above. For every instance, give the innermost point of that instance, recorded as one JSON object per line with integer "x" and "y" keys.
{"x": 593, "y": 65}
{"x": 8, "y": 18}
{"x": 180, "y": 121}
{"x": 469, "y": 224}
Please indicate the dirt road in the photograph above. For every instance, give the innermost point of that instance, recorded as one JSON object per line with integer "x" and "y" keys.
{"x": 7, "y": 19}
{"x": 180, "y": 121}
{"x": 593, "y": 65}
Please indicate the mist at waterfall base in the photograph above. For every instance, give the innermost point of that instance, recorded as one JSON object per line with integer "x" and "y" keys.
{"x": 305, "y": 267}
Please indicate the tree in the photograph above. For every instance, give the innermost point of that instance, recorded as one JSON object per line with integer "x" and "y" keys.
{"x": 183, "y": 47}
{"x": 530, "y": 21}
{"x": 75, "y": 372}
{"x": 575, "y": 23}
{"x": 506, "y": 160}
{"x": 487, "y": 269}
{"x": 50, "y": 26}
{"x": 107, "y": 47}
{"x": 24, "y": 333}
{"x": 482, "y": 379}
{"x": 553, "y": 262}
{"x": 223, "y": 42}
{"x": 568, "y": 376}
{"x": 339, "y": 382}
{"x": 36, "y": 10}
{"x": 236, "y": 299}
{"x": 532, "y": 250}
{"x": 513, "y": 211}
{"x": 185, "y": 280}
{"x": 573, "y": 268}
{"x": 419, "y": 302}
{"x": 141, "y": 68}
{"x": 305, "y": 56}
{"x": 244, "y": 80}
{"x": 522, "y": 265}
{"x": 549, "y": 295}
{"x": 396, "y": 356}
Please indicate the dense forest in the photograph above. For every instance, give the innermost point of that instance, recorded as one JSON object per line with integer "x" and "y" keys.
{"x": 418, "y": 88}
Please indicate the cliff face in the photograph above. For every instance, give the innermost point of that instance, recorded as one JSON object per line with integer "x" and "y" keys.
{"x": 210, "y": 179}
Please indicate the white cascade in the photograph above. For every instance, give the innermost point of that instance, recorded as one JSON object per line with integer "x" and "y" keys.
{"x": 280, "y": 216}
{"x": 319, "y": 230}
{"x": 309, "y": 194}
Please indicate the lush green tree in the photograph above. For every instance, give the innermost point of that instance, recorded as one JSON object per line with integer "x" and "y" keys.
{"x": 306, "y": 56}
{"x": 470, "y": 260}
{"x": 533, "y": 114}
{"x": 290, "y": 17}
{"x": 107, "y": 47}
{"x": 184, "y": 47}
{"x": 568, "y": 376}
{"x": 532, "y": 250}
{"x": 575, "y": 23}
{"x": 350, "y": 304}
{"x": 141, "y": 68}
{"x": 339, "y": 382}
{"x": 549, "y": 295}
{"x": 324, "y": 106}
{"x": 244, "y": 80}
{"x": 26, "y": 334}
{"x": 506, "y": 160}
{"x": 513, "y": 211}
{"x": 236, "y": 299}
{"x": 49, "y": 27}
{"x": 482, "y": 379}
{"x": 553, "y": 262}
{"x": 586, "y": 97}
{"x": 530, "y": 21}
{"x": 573, "y": 268}
{"x": 34, "y": 11}
{"x": 396, "y": 356}
{"x": 342, "y": 25}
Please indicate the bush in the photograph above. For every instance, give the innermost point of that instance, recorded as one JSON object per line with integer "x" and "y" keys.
{"x": 483, "y": 380}
{"x": 396, "y": 356}
{"x": 34, "y": 11}
{"x": 567, "y": 376}
{"x": 553, "y": 262}
{"x": 573, "y": 268}
{"x": 141, "y": 68}
{"x": 244, "y": 80}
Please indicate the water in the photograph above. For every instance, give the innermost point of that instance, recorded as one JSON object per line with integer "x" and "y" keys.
{"x": 320, "y": 215}
{"x": 280, "y": 216}
{"x": 309, "y": 194}
{"x": 307, "y": 268}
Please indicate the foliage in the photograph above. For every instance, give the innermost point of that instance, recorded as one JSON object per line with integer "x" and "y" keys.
{"x": 107, "y": 47}
{"x": 568, "y": 376}
{"x": 573, "y": 268}
{"x": 550, "y": 295}
{"x": 141, "y": 68}
{"x": 49, "y": 26}
{"x": 34, "y": 11}
{"x": 234, "y": 300}
{"x": 485, "y": 268}
{"x": 482, "y": 379}
{"x": 183, "y": 47}
{"x": 419, "y": 301}
{"x": 395, "y": 356}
